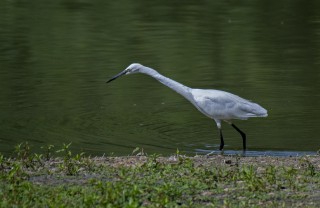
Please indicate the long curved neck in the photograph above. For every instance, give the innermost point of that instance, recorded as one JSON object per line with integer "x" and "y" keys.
{"x": 176, "y": 86}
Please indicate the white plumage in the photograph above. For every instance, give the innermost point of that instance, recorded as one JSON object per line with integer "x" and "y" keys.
{"x": 216, "y": 104}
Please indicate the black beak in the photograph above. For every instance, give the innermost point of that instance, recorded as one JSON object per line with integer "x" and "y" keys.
{"x": 116, "y": 76}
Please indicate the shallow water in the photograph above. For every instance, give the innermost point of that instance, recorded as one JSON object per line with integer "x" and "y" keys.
{"x": 257, "y": 153}
{"x": 54, "y": 64}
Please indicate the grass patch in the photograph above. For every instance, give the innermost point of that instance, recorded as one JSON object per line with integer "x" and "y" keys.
{"x": 58, "y": 178}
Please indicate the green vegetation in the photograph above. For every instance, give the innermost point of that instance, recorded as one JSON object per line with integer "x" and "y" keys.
{"x": 58, "y": 178}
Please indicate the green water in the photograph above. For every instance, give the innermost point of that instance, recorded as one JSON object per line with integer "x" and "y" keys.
{"x": 55, "y": 57}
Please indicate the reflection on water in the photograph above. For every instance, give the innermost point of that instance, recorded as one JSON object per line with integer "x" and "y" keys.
{"x": 54, "y": 64}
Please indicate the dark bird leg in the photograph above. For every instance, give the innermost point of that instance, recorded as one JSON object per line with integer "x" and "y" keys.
{"x": 221, "y": 140}
{"x": 242, "y": 134}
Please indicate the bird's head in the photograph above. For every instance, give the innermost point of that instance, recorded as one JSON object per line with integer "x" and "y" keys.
{"x": 131, "y": 69}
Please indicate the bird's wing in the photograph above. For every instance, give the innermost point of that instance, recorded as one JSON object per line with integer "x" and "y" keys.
{"x": 223, "y": 105}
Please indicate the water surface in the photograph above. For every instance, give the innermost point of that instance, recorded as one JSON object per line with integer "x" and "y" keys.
{"x": 55, "y": 58}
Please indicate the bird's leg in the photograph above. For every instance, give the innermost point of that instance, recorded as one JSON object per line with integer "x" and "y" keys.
{"x": 242, "y": 134}
{"x": 218, "y": 122}
{"x": 221, "y": 140}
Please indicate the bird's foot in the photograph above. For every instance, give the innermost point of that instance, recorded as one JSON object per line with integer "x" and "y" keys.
{"x": 211, "y": 153}
{"x": 243, "y": 153}
{"x": 215, "y": 152}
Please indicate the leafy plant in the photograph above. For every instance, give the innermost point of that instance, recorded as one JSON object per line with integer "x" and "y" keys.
{"x": 48, "y": 151}
{"x": 70, "y": 164}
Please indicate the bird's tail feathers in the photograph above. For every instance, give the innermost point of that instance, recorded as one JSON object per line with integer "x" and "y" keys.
{"x": 259, "y": 111}
{"x": 254, "y": 110}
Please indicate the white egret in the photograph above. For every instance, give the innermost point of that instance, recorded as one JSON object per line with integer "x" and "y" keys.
{"x": 216, "y": 104}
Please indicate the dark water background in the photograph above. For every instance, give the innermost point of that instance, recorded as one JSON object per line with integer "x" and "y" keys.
{"x": 55, "y": 57}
